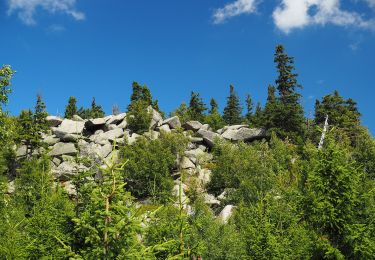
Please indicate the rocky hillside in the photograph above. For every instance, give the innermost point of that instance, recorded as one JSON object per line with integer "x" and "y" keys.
{"x": 99, "y": 140}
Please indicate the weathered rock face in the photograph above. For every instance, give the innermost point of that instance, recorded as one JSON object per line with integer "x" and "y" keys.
{"x": 54, "y": 121}
{"x": 173, "y": 122}
{"x": 95, "y": 124}
{"x": 63, "y": 149}
{"x": 156, "y": 119}
{"x": 226, "y": 213}
{"x": 68, "y": 126}
{"x": 244, "y": 134}
{"x": 208, "y": 137}
{"x": 192, "y": 125}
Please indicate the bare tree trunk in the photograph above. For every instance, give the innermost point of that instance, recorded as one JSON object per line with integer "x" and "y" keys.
{"x": 325, "y": 128}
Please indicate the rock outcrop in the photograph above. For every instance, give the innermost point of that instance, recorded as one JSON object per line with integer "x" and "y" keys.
{"x": 99, "y": 139}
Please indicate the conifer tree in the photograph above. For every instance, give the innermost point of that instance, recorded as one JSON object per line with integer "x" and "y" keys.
{"x": 214, "y": 119}
{"x": 249, "y": 107}
{"x": 142, "y": 93}
{"x": 182, "y": 112}
{"x": 334, "y": 194}
{"x": 96, "y": 110}
{"x": 107, "y": 225}
{"x": 27, "y": 132}
{"x": 233, "y": 110}
{"x": 196, "y": 107}
{"x": 71, "y": 108}
{"x": 258, "y": 117}
{"x": 288, "y": 121}
{"x": 6, "y": 74}
{"x": 343, "y": 114}
{"x": 40, "y": 116}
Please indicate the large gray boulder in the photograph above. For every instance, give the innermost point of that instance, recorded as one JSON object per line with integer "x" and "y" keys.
{"x": 156, "y": 119}
{"x": 186, "y": 163}
{"x": 173, "y": 122}
{"x": 69, "y": 127}
{"x": 116, "y": 119}
{"x": 54, "y": 121}
{"x": 192, "y": 125}
{"x": 244, "y": 134}
{"x": 66, "y": 170}
{"x": 110, "y": 135}
{"x": 209, "y": 137}
{"x": 95, "y": 124}
{"x": 51, "y": 140}
{"x": 63, "y": 148}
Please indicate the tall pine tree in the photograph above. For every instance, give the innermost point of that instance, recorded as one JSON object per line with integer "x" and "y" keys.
{"x": 214, "y": 119}
{"x": 249, "y": 108}
{"x": 71, "y": 108}
{"x": 288, "y": 121}
{"x": 233, "y": 110}
{"x": 196, "y": 107}
{"x": 96, "y": 110}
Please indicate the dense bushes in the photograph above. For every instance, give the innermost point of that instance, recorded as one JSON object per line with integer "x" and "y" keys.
{"x": 150, "y": 163}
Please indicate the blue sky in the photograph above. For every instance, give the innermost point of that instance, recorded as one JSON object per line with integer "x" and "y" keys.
{"x": 92, "y": 48}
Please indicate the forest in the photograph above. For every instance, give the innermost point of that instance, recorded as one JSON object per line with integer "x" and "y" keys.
{"x": 305, "y": 189}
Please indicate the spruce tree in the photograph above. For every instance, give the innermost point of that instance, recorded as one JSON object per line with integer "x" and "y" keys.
{"x": 27, "y": 131}
{"x": 6, "y": 74}
{"x": 249, "y": 107}
{"x": 288, "y": 121}
{"x": 214, "y": 119}
{"x": 96, "y": 110}
{"x": 40, "y": 116}
{"x": 182, "y": 112}
{"x": 214, "y": 106}
{"x": 71, "y": 108}
{"x": 196, "y": 107}
{"x": 258, "y": 117}
{"x": 233, "y": 110}
{"x": 343, "y": 114}
{"x": 142, "y": 93}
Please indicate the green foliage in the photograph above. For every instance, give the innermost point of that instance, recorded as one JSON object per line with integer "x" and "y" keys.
{"x": 71, "y": 108}
{"x": 150, "y": 163}
{"x": 107, "y": 224}
{"x": 342, "y": 114}
{"x": 96, "y": 110}
{"x": 249, "y": 109}
{"x": 182, "y": 112}
{"x": 333, "y": 198}
{"x": 233, "y": 110}
{"x": 284, "y": 113}
{"x": 6, "y": 74}
{"x": 139, "y": 117}
{"x": 214, "y": 119}
{"x": 142, "y": 93}
{"x": 37, "y": 213}
{"x": 196, "y": 107}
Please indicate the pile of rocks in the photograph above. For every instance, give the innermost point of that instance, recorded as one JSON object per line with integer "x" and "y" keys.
{"x": 98, "y": 139}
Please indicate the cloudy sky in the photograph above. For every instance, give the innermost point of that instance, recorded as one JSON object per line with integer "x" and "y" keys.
{"x": 90, "y": 48}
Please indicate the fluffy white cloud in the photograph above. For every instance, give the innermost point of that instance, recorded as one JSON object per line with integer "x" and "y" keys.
{"x": 26, "y": 8}
{"x": 234, "y": 9}
{"x": 293, "y": 14}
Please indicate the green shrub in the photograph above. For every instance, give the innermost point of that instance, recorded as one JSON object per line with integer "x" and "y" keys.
{"x": 138, "y": 117}
{"x": 150, "y": 164}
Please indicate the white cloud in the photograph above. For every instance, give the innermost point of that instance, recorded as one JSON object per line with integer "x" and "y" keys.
{"x": 293, "y": 14}
{"x": 371, "y": 3}
{"x": 234, "y": 9}
{"x": 26, "y": 9}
